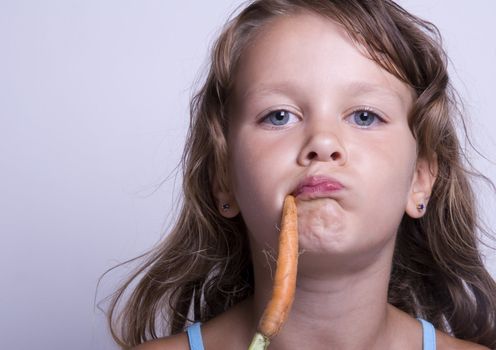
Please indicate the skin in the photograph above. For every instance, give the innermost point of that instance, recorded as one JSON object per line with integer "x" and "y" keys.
{"x": 316, "y": 73}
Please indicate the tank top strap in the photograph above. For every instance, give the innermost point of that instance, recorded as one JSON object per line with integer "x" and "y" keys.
{"x": 194, "y": 336}
{"x": 428, "y": 335}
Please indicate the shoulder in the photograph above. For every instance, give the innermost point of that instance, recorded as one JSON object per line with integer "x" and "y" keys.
{"x": 444, "y": 341}
{"x": 173, "y": 342}
{"x": 232, "y": 329}
{"x": 447, "y": 342}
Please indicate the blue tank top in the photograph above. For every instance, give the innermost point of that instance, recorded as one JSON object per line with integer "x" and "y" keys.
{"x": 428, "y": 336}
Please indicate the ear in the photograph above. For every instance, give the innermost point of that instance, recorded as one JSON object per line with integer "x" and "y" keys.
{"x": 421, "y": 188}
{"x": 226, "y": 203}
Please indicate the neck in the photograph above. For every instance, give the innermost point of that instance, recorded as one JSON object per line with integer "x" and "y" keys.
{"x": 334, "y": 310}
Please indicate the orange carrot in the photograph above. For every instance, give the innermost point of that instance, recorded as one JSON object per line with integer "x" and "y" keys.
{"x": 277, "y": 310}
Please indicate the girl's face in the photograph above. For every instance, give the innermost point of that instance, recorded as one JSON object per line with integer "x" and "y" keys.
{"x": 310, "y": 108}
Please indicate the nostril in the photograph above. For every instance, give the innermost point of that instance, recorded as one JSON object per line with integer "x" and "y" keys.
{"x": 312, "y": 155}
{"x": 335, "y": 156}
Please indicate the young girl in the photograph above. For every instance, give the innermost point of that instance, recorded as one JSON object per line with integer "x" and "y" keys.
{"x": 347, "y": 105}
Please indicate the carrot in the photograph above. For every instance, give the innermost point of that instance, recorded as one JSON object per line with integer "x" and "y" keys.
{"x": 277, "y": 310}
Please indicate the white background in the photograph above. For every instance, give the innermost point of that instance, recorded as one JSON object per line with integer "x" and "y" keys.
{"x": 93, "y": 113}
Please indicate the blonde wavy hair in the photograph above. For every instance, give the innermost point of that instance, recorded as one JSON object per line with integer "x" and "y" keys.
{"x": 203, "y": 267}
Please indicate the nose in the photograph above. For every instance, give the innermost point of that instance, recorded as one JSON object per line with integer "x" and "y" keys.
{"x": 323, "y": 146}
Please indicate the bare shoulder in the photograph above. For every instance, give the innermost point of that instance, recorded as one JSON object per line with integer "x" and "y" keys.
{"x": 447, "y": 342}
{"x": 173, "y": 342}
{"x": 228, "y": 330}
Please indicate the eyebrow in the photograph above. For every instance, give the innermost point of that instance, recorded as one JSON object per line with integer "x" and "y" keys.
{"x": 269, "y": 89}
{"x": 364, "y": 88}
{"x": 353, "y": 88}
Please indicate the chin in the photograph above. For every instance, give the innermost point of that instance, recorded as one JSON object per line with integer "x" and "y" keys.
{"x": 322, "y": 240}
{"x": 338, "y": 240}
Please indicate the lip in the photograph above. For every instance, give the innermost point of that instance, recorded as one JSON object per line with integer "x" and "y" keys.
{"x": 317, "y": 187}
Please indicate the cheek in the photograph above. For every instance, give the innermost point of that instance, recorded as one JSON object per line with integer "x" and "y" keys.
{"x": 259, "y": 165}
{"x": 387, "y": 174}
{"x": 259, "y": 177}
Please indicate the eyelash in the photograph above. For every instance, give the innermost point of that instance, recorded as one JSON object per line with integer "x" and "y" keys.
{"x": 377, "y": 116}
{"x": 270, "y": 113}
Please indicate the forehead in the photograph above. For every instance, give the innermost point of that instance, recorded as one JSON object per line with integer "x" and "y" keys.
{"x": 310, "y": 53}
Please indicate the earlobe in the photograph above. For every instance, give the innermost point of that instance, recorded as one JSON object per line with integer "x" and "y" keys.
{"x": 228, "y": 209}
{"x": 226, "y": 204}
{"x": 417, "y": 204}
{"x": 421, "y": 187}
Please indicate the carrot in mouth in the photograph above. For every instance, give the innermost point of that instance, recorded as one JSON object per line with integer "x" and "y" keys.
{"x": 277, "y": 310}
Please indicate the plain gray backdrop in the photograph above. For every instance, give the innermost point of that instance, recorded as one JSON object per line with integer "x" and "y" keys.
{"x": 93, "y": 113}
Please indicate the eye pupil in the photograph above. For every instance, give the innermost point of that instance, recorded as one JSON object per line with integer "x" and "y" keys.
{"x": 280, "y": 117}
{"x": 364, "y": 118}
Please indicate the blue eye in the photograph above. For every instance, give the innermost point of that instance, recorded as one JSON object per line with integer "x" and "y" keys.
{"x": 279, "y": 117}
{"x": 364, "y": 118}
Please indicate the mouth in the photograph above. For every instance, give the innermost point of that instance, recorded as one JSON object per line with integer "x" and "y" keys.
{"x": 314, "y": 187}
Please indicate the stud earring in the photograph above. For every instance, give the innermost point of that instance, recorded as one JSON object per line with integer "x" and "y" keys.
{"x": 226, "y": 206}
{"x": 420, "y": 207}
